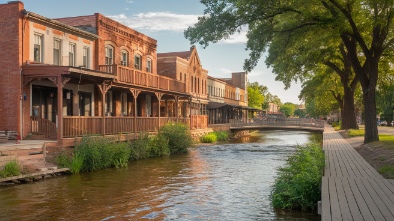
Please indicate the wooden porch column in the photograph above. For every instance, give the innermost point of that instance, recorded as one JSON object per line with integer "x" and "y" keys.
{"x": 135, "y": 94}
{"x": 158, "y": 96}
{"x": 59, "y": 108}
{"x": 59, "y": 81}
{"x": 176, "y": 107}
{"x": 104, "y": 87}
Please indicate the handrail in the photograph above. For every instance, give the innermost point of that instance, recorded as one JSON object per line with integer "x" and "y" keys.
{"x": 44, "y": 127}
{"x": 266, "y": 122}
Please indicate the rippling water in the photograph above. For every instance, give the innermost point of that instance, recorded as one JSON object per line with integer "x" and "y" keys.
{"x": 220, "y": 182}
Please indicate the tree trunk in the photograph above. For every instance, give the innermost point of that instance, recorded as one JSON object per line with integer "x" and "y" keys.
{"x": 349, "y": 120}
{"x": 371, "y": 128}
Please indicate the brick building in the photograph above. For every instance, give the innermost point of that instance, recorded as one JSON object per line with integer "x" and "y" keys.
{"x": 82, "y": 75}
{"x": 73, "y": 76}
{"x": 185, "y": 66}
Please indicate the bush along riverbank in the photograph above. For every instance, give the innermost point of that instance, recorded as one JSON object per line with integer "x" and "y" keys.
{"x": 95, "y": 153}
{"x": 214, "y": 137}
{"x": 297, "y": 185}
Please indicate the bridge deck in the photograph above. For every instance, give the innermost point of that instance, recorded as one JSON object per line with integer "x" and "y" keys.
{"x": 351, "y": 188}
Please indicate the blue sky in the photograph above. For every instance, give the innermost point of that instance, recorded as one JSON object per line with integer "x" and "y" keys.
{"x": 165, "y": 20}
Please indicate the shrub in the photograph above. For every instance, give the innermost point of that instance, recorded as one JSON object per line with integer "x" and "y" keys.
{"x": 146, "y": 147}
{"x": 76, "y": 163}
{"x": 298, "y": 182}
{"x": 11, "y": 168}
{"x": 221, "y": 135}
{"x": 99, "y": 153}
{"x": 208, "y": 138}
{"x": 178, "y": 136}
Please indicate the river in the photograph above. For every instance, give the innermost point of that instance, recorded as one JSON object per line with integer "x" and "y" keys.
{"x": 214, "y": 182}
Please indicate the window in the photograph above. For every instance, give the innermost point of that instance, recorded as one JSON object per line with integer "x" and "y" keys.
{"x": 71, "y": 55}
{"x": 109, "y": 55}
{"x": 149, "y": 65}
{"x": 137, "y": 62}
{"x": 86, "y": 57}
{"x": 124, "y": 58}
{"x": 123, "y": 99}
{"x": 56, "y": 51}
{"x": 38, "y": 48}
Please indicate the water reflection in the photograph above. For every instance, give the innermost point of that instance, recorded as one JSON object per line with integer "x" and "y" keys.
{"x": 220, "y": 182}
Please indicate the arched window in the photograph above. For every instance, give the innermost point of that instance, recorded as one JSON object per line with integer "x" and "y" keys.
{"x": 109, "y": 55}
{"x": 124, "y": 58}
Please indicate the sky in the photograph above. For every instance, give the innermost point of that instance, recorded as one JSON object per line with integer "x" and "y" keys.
{"x": 165, "y": 21}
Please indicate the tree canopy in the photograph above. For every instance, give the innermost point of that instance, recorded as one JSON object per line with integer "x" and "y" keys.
{"x": 364, "y": 27}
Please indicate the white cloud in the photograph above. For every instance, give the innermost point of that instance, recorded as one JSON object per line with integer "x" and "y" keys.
{"x": 237, "y": 38}
{"x": 167, "y": 21}
{"x": 255, "y": 73}
{"x": 129, "y": 1}
{"x": 157, "y": 21}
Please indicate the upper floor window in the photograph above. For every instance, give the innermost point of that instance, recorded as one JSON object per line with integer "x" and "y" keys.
{"x": 71, "y": 54}
{"x": 109, "y": 55}
{"x": 149, "y": 65}
{"x": 56, "y": 51}
{"x": 124, "y": 58}
{"x": 38, "y": 48}
{"x": 138, "y": 62}
{"x": 86, "y": 57}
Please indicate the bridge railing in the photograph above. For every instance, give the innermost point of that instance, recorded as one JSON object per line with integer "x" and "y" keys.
{"x": 291, "y": 122}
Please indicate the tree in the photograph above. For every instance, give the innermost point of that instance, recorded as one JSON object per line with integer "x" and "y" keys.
{"x": 255, "y": 96}
{"x": 385, "y": 95}
{"x": 364, "y": 28}
{"x": 287, "y": 109}
{"x": 299, "y": 113}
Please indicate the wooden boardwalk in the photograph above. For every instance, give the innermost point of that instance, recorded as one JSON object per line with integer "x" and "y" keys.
{"x": 351, "y": 188}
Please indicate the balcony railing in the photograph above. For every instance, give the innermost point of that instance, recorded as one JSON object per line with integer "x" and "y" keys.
{"x": 145, "y": 79}
{"x": 81, "y": 126}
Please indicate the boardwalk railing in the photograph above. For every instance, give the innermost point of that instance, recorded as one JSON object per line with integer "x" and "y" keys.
{"x": 277, "y": 122}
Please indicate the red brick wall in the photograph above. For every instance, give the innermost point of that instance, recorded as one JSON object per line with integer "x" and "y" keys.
{"x": 123, "y": 37}
{"x": 11, "y": 59}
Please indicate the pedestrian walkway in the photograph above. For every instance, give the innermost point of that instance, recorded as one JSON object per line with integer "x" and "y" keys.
{"x": 351, "y": 188}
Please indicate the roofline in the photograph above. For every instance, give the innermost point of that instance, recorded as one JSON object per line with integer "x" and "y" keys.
{"x": 60, "y": 25}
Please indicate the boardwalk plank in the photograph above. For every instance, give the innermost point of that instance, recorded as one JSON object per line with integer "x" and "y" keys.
{"x": 334, "y": 203}
{"x": 381, "y": 206}
{"x": 343, "y": 204}
{"x": 351, "y": 201}
{"x": 362, "y": 205}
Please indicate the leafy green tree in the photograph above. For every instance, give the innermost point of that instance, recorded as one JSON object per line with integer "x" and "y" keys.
{"x": 362, "y": 26}
{"x": 287, "y": 109}
{"x": 255, "y": 95}
{"x": 299, "y": 113}
{"x": 385, "y": 95}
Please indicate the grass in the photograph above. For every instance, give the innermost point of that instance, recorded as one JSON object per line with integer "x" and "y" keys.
{"x": 11, "y": 168}
{"x": 297, "y": 185}
{"x": 387, "y": 171}
{"x": 355, "y": 132}
{"x": 215, "y": 136}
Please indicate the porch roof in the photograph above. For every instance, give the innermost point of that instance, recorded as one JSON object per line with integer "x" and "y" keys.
{"x": 42, "y": 70}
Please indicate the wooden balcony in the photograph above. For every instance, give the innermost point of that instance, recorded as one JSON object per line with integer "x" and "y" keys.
{"x": 144, "y": 79}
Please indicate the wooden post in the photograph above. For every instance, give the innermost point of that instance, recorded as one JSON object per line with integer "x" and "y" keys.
{"x": 60, "y": 108}
{"x": 158, "y": 96}
{"x": 135, "y": 95}
{"x": 176, "y": 108}
{"x": 104, "y": 87}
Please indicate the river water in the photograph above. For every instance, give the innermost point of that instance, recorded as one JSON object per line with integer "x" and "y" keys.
{"x": 217, "y": 182}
